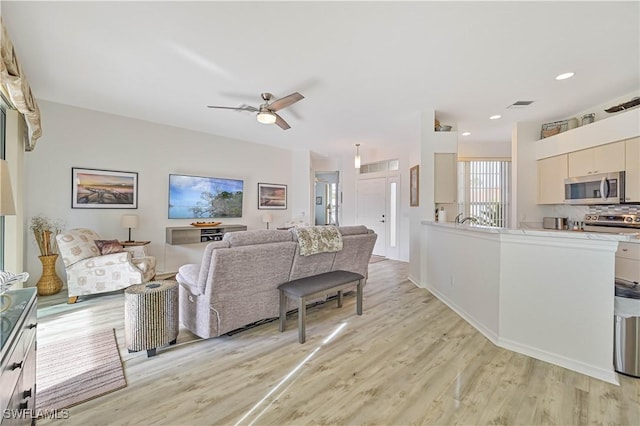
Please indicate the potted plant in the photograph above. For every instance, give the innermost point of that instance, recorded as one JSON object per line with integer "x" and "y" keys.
{"x": 45, "y": 231}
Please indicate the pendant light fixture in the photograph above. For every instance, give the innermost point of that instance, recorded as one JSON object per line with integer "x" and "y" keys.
{"x": 356, "y": 160}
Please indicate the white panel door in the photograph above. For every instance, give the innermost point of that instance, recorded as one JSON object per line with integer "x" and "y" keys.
{"x": 371, "y": 207}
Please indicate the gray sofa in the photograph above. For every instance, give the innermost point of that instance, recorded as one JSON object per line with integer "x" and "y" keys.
{"x": 236, "y": 283}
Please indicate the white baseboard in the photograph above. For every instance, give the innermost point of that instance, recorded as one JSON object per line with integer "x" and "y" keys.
{"x": 486, "y": 332}
{"x": 609, "y": 376}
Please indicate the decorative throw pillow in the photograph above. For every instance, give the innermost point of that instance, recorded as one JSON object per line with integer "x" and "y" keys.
{"x": 109, "y": 246}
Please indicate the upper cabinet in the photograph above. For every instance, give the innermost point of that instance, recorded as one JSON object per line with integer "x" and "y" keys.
{"x": 445, "y": 178}
{"x": 632, "y": 168}
{"x": 552, "y": 172}
{"x": 600, "y": 159}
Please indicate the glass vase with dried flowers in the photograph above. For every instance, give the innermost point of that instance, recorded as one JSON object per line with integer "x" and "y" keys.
{"x": 45, "y": 231}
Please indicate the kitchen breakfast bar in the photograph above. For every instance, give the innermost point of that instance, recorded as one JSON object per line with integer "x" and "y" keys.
{"x": 543, "y": 293}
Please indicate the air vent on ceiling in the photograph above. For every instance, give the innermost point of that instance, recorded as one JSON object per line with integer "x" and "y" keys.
{"x": 520, "y": 104}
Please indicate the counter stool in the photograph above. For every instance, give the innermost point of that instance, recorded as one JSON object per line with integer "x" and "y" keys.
{"x": 151, "y": 315}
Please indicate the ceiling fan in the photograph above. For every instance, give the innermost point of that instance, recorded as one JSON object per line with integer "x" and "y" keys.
{"x": 266, "y": 113}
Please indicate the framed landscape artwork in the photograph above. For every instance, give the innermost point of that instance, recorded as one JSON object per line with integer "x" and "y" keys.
{"x": 272, "y": 196}
{"x": 103, "y": 189}
{"x": 414, "y": 186}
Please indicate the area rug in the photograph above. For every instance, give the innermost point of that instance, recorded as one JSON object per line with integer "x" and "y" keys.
{"x": 375, "y": 258}
{"x": 72, "y": 371}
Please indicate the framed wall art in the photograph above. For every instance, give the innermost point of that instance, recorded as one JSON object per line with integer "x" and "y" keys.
{"x": 272, "y": 196}
{"x": 414, "y": 186}
{"x": 103, "y": 189}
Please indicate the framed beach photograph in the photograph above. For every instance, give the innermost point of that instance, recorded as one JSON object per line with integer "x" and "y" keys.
{"x": 414, "y": 185}
{"x": 272, "y": 196}
{"x": 103, "y": 189}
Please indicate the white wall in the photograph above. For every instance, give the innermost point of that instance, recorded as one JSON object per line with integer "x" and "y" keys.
{"x": 524, "y": 209}
{"x": 74, "y": 137}
{"x": 484, "y": 150}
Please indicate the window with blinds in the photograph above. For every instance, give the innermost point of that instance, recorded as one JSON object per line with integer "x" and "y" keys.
{"x": 484, "y": 191}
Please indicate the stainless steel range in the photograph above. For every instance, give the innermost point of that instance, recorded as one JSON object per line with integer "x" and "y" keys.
{"x": 626, "y": 329}
{"x": 616, "y": 223}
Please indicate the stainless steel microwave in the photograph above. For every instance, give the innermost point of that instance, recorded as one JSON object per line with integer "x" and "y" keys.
{"x": 607, "y": 188}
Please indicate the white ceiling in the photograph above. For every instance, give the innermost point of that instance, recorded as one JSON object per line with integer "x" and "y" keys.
{"x": 366, "y": 69}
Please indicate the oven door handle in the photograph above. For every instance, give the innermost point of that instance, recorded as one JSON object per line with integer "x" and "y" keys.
{"x": 604, "y": 188}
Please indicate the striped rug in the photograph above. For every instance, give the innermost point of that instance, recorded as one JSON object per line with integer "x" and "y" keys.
{"x": 76, "y": 370}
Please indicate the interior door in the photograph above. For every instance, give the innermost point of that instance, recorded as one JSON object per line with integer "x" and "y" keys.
{"x": 371, "y": 207}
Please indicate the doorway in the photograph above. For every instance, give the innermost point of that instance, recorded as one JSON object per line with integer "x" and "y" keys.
{"x": 377, "y": 209}
{"x": 326, "y": 198}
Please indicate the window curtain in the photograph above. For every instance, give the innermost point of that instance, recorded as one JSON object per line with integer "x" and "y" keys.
{"x": 14, "y": 85}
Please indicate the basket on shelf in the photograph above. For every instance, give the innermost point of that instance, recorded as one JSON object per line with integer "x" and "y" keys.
{"x": 550, "y": 129}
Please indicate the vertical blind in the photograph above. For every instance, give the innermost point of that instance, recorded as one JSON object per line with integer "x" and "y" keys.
{"x": 484, "y": 191}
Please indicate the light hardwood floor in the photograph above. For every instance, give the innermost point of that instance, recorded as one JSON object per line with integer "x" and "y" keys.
{"x": 407, "y": 360}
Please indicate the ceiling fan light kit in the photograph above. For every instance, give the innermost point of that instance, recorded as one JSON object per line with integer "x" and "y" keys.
{"x": 266, "y": 113}
{"x": 266, "y": 117}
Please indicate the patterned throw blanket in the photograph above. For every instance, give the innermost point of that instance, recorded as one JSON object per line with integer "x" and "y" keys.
{"x": 318, "y": 239}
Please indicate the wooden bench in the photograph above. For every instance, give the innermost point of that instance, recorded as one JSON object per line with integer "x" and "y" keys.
{"x": 314, "y": 286}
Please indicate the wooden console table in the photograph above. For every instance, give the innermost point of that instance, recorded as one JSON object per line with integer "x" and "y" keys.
{"x": 193, "y": 235}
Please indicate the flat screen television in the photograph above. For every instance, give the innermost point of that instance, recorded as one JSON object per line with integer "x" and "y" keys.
{"x": 198, "y": 197}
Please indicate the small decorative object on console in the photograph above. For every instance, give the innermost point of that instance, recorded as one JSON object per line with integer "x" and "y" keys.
{"x": 206, "y": 223}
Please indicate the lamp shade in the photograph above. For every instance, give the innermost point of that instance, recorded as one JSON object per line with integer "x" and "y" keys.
{"x": 266, "y": 218}
{"x": 129, "y": 221}
{"x": 7, "y": 207}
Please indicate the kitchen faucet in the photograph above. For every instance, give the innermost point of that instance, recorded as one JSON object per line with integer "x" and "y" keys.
{"x": 468, "y": 218}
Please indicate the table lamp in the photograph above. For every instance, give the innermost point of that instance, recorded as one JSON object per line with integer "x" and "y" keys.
{"x": 266, "y": 218}
{"x": 129, "y": 221}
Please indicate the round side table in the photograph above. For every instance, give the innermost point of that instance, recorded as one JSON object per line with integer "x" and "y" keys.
{"x": 151, "y": 315}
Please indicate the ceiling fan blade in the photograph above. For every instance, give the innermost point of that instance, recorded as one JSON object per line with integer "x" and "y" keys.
{"x": 285, "y": 102}
{"x": 281, "y": 123}
{"x": 242, "y": 108}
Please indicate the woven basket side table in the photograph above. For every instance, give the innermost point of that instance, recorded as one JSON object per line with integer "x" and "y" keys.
{"x": 151, "y": 316}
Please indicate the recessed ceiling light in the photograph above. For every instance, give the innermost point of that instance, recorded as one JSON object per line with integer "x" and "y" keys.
{"x": 564, "y": 76}
{"x": 495, "y": 117}
{"x": 466, "y": 133}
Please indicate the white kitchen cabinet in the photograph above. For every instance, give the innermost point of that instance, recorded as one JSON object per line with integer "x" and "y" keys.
{"x": 628, "y": 261}
{"x": 552, "y": 172}
{"x": 600, "y": 159}
{"x": 632, "y": 169}
{"x": 445, "y": 178}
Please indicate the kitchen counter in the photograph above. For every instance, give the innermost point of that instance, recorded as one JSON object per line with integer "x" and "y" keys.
{"x": 544, "y": 293}
{"x": 554, "y": 233}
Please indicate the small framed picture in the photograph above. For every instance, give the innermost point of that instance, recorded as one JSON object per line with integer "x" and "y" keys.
{"x": 414, "y": 185}
{"x": 272, "y": 196}
{"x": 318, "y": 201}
{"x": 103, "y": 189}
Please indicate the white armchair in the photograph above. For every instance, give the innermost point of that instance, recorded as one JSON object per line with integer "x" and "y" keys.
{"x": 91, "y": 272}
